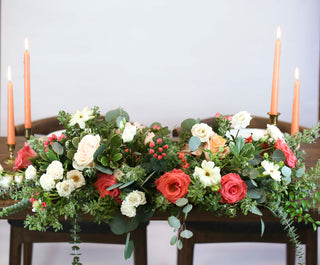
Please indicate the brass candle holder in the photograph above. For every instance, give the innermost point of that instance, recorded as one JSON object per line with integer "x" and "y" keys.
{"x": 27, "y": 133}
{"x": 273, "y": 118}
{"x": 10, "y": 161}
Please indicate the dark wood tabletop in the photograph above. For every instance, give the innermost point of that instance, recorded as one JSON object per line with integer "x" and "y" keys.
{"x": 311, "y": 158}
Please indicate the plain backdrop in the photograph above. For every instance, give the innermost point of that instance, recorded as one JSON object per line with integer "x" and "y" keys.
{"x": 161, "y": 60}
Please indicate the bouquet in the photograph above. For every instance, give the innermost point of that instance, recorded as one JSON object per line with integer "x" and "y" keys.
{"x": 121, "y": 172}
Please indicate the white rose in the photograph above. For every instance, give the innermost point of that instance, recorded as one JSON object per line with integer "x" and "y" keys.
{"x": 208, "y": 174}
{"x": 274, "y": 133}
{"x": 5, "y": 181}
{"x": 241, "y": 120}
{"x": 84, "y": 156}
{"x": 203, "y": 131}
{"x": 47, "y": 182}
{"x": 55, "y": 170}
{"x": 117, "y": 173}
{"x": 77, "y": 178}
{"x": 31, "y": 172}
{"x": 128, "y": 210}
{"x": 257, "y": 135}
{"x": 271, "y": 169}
{"x": 65, "y": 187}
{"x": 136, "y": 198}
{"x": 129, "y": 132}
{"x": 18, "y": 178}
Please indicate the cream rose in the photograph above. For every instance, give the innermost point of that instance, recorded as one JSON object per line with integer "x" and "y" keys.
{"x": 47, "y": 182}
{"x": 128, "y": 210}
{"x": 77, "y": 178}
{"x": 65, "y": 187}
{"x": 136, "y": 198}
{"x": 241, "y": 120}
{"x": 129, "y": 132}
{"x": 84, "y": 156}
{"x": 18, "y": 178}
{"x": 203, "y": 131}
{"x": 31, "y": 173}
{"x": 55, "y": 170}
{"x": 5, "y": 181}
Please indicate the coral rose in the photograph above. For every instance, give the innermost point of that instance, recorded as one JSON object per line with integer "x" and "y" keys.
{"x": 173, "y": 185}
{"x": 291, "y": 159}
{"x": 22, "y": 160}
{"x": 233, "y": 188}
{"x": 103, "y": 182}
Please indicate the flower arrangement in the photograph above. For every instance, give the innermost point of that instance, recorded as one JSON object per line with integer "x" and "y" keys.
{"x": 121, "y": 172}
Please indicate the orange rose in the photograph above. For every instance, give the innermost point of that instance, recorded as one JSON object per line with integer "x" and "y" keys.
{"x": 215, "y": 142}
{"x": 173, "y": 185}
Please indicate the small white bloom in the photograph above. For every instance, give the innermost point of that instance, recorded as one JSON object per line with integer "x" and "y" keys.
{"x": 5, "y": 181}
{"x": 18, "y": 178}
{"x": 77, "y": 178}
{"x": 271, "y": 169}
{"x": 241, "y": 120}
{"x": 55, "y": 169}
{"x": 1, "y": 169}
{"x": 47, "y": 182}
{"x": 274, "y": 133}
{"x": 136, "y": 198}
{"x": 257, "y": 135}
{"x": 128, "y": 210}
{"x": 31, "y": 172}
{"x": 81, "y": 117}
{"x": 36, "y": 205}
{"x": 129, "y": 132}
{"x": 208, "y": 174}
{"x": 203, "y": 131}
{"x": 117, "y": 173}
{"x": 64, "y": 188}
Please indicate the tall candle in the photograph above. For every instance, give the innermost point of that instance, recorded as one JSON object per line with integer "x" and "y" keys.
{"x": 295, "y": 108}
{"x": 276, "y": 71}
{"x": 10, "y": 121}
{"x": 27, "y": 97}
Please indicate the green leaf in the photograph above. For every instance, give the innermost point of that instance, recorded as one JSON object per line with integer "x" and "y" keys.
{"x": 181, "y": 202}
{"x": 187, "y": 208}
{"x": 194, "y": 143}
{"x": 278, "y": 156}
{"x": 58, "y": 148}
{"x": 113, "y": 114}
{"x": 188, "y": 123}
{"x": 234, "y": 149}
{"x": 174, "y": 222}
{"x": 75, "y": 141}
{"x": 240, "y": 143}
{"x": 103, "y": 169}
{"x": 300, "y": 172}
{"x": 155, "y": 123}
{"x": 254, "y": 193}
{"x": 99, "y": 151}
{"x": 286, "y": 171}
{"x": 51, "y": 155}
{"x": 70, "y": 154}
{"x": 116, "y": 157}
{"x": 180, "y": 245}
{"x": 262, "y": 227}
{"x": 104, "y": 161}
{"x": 118, "y": 224}
{"x": 256, "y": 160}
{"x": 186, "y": 234}
{"x": 255, "y": 210}
{"x": 173, "y": 240}
{"x": 253, "y": 173}
{"x": 116, "y": 141}
{"x": 128, "y": 249}
{"x": 114, "y": 186}
{"x": 127, "y": 184}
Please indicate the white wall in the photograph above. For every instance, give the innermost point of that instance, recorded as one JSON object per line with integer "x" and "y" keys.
{"x": 163, "y": 60}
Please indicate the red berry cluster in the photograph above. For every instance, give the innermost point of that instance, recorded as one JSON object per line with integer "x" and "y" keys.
{"x": 158, "y": 149}
{"x": 51, "y": 140}
{"x": 156, "y": 127}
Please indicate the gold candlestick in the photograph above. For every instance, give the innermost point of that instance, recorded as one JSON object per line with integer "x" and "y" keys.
{"x": 27, "y": 133}
{"x": 273, "y": 118}
{"x": 10, "y": 161}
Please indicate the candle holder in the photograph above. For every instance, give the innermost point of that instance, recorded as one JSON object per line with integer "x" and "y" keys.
{"x": 27, "y": 133}
{"x": 10, "y": 161}
{"x": 273, "y": 118}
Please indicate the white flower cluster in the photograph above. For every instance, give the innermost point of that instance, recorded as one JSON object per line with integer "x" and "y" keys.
{"x": 273, "y": 133}
{"x": 271, "y": 169}
{"x": 208, "y": 174}
{"x": 81, "y": 117}
{"x": 129, "y": 132}
{"x": 131, "y": 202}
{"x": 241, "y": 120}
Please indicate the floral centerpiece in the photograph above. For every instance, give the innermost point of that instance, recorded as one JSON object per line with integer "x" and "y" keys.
{"x": 121, "y": 172}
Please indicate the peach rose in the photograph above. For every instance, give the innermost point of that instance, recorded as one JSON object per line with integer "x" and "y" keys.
{"x": 84, "y": 156}
{"x": 215, "y": 142}
{"x": 173, "y": 185}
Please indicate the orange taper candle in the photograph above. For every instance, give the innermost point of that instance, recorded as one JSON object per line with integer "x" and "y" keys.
{"x": 295, "y": 108}
{"x": 27, "y": 96}
{"x": 275, "y": 80}
{"x": 10, "y": 122}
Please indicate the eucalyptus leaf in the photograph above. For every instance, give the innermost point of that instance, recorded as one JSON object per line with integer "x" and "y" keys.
{"x": 113, "y": 114}
{"x": 118, "y": 224}
{"x": 255, "y": 210}
{"x": 128, "y": 249}
{"x": 179, "y": 245}
{"x": 103, "y": 169}
{"x": 70, "y": 154}
{"x": 254, "y": 173}
{"x": 57, "y": 148}
{"x": 181, "y": 202}
{"x": 262, "y": 227}
{"x": 155, "y": 123}
{"x": 187, "y": 208}
{"x": 256, "y": 160}
{"x": 114, "y": 186}
{"x": 173, "y": 240}
{"x": 188, "y": 123}
{"x": 254, "y": 193}
{"x": 186, "y": 234}
{"x": 194, "y": 143}
{"x": 75, "y": 141}
{"x": 278, "y": 156}
{"x": 174, "y": 222}
{"x": 300, "y": 172}
{"x": 99, "y": 151}
{"x": 127, "y": 184}
{"x": 286, "y": 171}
